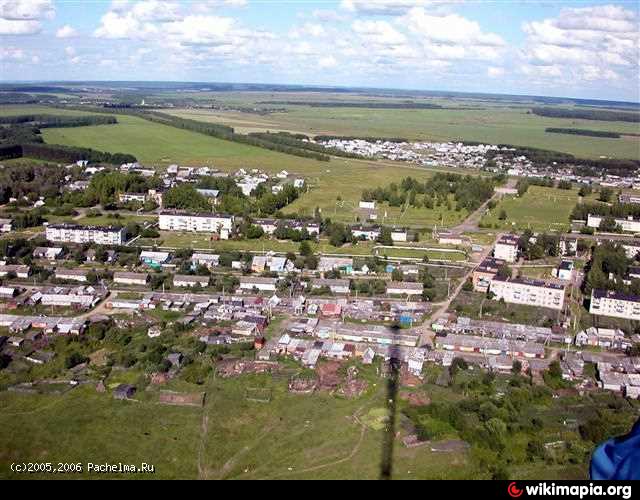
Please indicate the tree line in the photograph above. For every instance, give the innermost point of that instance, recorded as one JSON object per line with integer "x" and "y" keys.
{"x": 587, "y": 114}
{"x": 582, "y": 131}
{"x": 46, "y": 120}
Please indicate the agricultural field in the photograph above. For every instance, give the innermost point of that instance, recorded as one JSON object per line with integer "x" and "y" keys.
{"x": 476, "y": 121}
{"x": 540, "y": 209}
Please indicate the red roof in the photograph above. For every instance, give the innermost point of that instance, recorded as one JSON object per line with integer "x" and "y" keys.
{"x": 331, "y": 309}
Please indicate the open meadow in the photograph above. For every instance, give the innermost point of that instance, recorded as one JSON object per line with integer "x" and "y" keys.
{"x": 316, "y": 436}
{"x": 479, "y": 121}
{"x": 540, "y": 209}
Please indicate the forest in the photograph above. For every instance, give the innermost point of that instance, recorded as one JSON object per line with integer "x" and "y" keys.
{"x": 587, "y": 114}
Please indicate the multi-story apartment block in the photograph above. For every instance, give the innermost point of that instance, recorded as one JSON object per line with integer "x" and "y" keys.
{"x": 75, "y": 233}
{"x": 484, "y": 273}
{"x": 615, "y": 304}
{"x": 528, "y": 292}
{"x": 507, "y": 248}
{"x": 221, "y": 224}
{"x": 629, "y": 225}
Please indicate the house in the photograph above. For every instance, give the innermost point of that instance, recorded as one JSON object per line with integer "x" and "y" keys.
{"x": 183, "y": 280}
{"x": 399, "y": 235}
{"x": 370, "y": 205}
{"x": 125, "y": 278}
{"x": 205, "y": 259}
{"x": 336, "y": 285}
{"x": 331, "y": 309}
{"x": 8, "y": 292}
{"x": 245, "y": 328}
{"x": 565, "y": 270}
{"x": 361, "y": 232}
{"x": 210, "y": 194}
{"x": 262, "y": 284}
{"x": 49, "y": 253}
{"x": 20, "y": 271}
{"x": 507, "y": 248}
{"x": 72, "y": 274}
{"x": 124, "y": 391}
{"x": 404, "y": 288}
{"x": 6, "y": 225}
{"x": 607, "y": 338}
{"x": 568, "y": 246}
{"x": 335, "y": 263}
{"x": 154, "y": 258}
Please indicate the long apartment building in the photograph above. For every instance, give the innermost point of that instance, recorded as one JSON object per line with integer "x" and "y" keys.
{"x": 615, "y": 304}
{"x": 75, "y": 233}
{"x": 528, "y": 292}
{"x": 629, "y": 225}
{"x": 221, "y": 224}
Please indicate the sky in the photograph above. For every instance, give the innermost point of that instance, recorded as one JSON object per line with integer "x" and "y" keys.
{"x": 574, "y": 48}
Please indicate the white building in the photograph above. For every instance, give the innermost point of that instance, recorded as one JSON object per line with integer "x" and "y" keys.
{"x": 404, "y": 288}
{"x": 205, "y": 259}
{"x": 565, "y": 270}
{"x": 197, "y": 222}
{"x": 190, "y": 280}
{"x": 528, "y": 292}
{"x": 507, "y": 248}
{"x": 125, "y": 278}
{"x": 399, "y": 235}
{"x": 6, "y": 225}
{"x": 617, "y": 305}
{"x": 336, "y": 286}
{"x": 367, "y": 204}
{"x": 75, "y": 233}
{"x": 629, "y": 224}
{"x": 370, "y": 233}
{"x": 262, "y": 284}
{"x": 21, "y": 271}
{"x": 72, "y": 274}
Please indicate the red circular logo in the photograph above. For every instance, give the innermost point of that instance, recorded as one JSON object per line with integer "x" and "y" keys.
{"x": 513, "y": 490}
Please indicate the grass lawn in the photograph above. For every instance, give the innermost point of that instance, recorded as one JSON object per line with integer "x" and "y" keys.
{"x": 540, "y": 209}
{"x": 293, "y": 436}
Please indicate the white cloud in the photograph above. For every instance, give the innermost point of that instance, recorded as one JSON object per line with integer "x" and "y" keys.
{"x": 11, "y": 54}
{"x": 18, "y": 17}
{"x": 391, "y": 7}
{"x": 380, "y": 32}
{"x": 599, "y": 43}
{"x": 66, "y": 32}
{"x": 495, "y": 72}
{"x": 449, "y": 29}
{"x": 327, "y": 62}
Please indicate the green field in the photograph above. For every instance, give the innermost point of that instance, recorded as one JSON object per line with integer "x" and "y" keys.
{"x": 540, "y": 209}
{"x": 291, "y": 437}
{"x": 493, "y": 123}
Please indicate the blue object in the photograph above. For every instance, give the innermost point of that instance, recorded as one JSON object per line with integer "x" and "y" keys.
{"x": 618, "y": 458}
{"x": 405, "y": 320}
